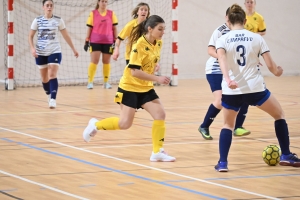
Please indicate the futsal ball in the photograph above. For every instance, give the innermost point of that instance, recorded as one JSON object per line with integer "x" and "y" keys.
{"x": 271, "y": 154}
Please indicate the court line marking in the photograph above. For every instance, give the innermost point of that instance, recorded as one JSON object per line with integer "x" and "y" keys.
{"x": 164, "y": 183}
{"x": 43, "y": 185}
{"x": 140, "y": 165}
{"x": 183, "y": 143}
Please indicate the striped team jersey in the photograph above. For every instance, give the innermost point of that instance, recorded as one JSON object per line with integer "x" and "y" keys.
{"x": 255, "y": 23}
{"x": 242, "y": 50}
{"x": 47, "y": 37}
{"x": 102, "y": 26}
{"x": 144, "y": 56}
{"x": 212, "y": 64}
{"x": 125, "y": 33}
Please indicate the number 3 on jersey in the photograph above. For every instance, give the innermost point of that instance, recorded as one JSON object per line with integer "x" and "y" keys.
{"x": 242, "y": 51}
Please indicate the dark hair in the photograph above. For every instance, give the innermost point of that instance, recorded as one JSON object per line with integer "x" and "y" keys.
{"x": 142, "y": 28}
{"x": 44, "y": 1}
{"x": 136, "y": 9}
{"x": 227, "y": 11}
{"x": 97, "y": 6}
{"x": 236, "y": 14}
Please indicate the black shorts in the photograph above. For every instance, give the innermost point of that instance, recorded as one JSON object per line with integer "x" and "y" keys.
{"x": 135, "y": 99}
{"x": 234, "y": 102}
{"x": 104, "y": 48}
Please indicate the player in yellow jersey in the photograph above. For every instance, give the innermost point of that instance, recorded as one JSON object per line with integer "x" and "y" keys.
{"x": 255, "y": 22}
{"x": 139, "y": 14}
{"x": 101, "y": 35}
{"x": 136, "y": 88}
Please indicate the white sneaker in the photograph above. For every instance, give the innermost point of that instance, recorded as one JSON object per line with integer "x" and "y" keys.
{"x": 90, "y": 130}
{"x": 106, "y": 86}
{"x": 90, "y": 86}
{"x": 161, "y": 156}
{"x": 52, "y": 103}
{"x": 49, "y": 97}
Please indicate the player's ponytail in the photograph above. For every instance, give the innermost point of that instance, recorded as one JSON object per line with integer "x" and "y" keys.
{"x": 142, "y": 28}
{"x": 236, "y": 14}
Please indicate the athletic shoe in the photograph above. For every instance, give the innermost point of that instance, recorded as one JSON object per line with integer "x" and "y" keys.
{"x": 241, "y": 132}
{"x": 90, "y": 86}
{"x": 106, "y": 86}
{"x": 90, "y": 130}
{"x": 289, "y": 160}
{"x": 221, "y": 167}
{"x": 161, "y": 156}
{"x": 205, "y": 133}
{"x": 52, "y": 103}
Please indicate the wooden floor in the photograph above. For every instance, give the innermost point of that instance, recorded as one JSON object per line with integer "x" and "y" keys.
{"x": 43, "y": 156}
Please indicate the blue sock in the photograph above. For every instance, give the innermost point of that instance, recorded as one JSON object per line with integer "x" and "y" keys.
{"x": 224, "y": 144}
{"x": 241, "y": 116}
{"x": 210, "y": 116}
{"x": 46, "y": 87}
{"x": 53, "y": 87}
{"x": 282, "y": 134}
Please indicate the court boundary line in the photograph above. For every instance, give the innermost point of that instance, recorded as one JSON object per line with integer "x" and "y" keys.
{"x": 42, "y": 185}
{"x": 140, "y": 165}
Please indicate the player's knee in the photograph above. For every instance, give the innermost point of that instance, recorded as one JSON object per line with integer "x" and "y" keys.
{"x": 160, "y": 115}
{"x": 125, "y": 124}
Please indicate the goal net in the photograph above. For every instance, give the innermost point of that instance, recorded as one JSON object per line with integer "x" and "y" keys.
{"x": 73, "y": 71}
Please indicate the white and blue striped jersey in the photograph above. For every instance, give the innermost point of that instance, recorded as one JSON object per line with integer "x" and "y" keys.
{"x": 212, "y": 64}
{"x": 47, "y": 37}
{"x": 242, "y": 52}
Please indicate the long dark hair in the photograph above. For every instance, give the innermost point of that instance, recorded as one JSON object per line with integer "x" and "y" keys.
{"x": 136, "y": 9}
{"x": 142, "y": 28}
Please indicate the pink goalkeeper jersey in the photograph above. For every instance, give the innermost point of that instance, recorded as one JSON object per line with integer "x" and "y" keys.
{"x": 102, "y": 31}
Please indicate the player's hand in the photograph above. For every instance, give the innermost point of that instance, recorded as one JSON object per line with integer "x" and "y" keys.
{"x": 279, "y": 71}
{"x": 163, "y": 80}
{"x": 157, "y": 67}
{"x": 232, "y": 84}
{"x": 115, "y": 54}
{"x": 86, "y": 45}
{"x": 33, "y": 53}
{"x": 75, "y": 53}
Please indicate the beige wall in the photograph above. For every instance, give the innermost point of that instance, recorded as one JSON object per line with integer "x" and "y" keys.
{"x": 198, "y": 19}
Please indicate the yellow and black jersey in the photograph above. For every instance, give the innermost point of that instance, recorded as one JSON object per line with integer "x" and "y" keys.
{"x": 255, "y": 23}
{"x": 144, "y": 56}
{"x": 125, "y": 33}
{"x": 90, "y": 20}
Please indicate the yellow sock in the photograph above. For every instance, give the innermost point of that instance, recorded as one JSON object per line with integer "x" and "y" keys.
{"x": 91, "y": 72}
{"x": 111, "y": 123}
{"x": 158, "y": 134}
{"x": 106, "y": 72}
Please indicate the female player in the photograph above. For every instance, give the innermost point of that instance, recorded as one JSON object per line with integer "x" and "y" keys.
{"x": 238, "y": 53}
{"x": 101, "y": 34}
{"x": 214, "y": 77}
{"x": 139, "y": 14}
{"x": 47, "y": 51}
{"x": 255, "y": 22}
{"x": 136, "y": 87}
